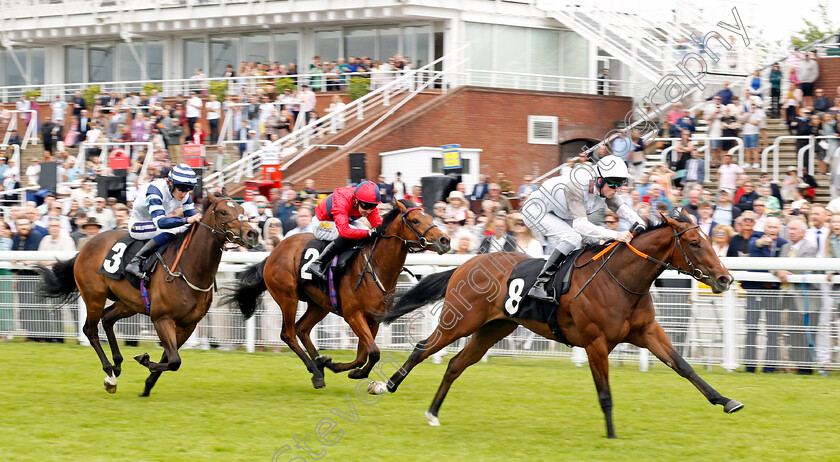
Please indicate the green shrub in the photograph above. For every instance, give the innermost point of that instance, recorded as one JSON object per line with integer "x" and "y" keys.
{"x": 30, "y": 93}
{"x": 150, "y": 86}
{"x": 358, "y": 87}
{"x": 90, "y": 94}
{"x": 284, "y": 83}
{"x": 218, "y": 88}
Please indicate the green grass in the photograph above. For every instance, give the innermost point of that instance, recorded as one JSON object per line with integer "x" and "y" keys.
{"x": 231, "y": 406}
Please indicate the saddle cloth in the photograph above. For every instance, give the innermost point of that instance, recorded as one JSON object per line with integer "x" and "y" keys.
{"x": 120, "y": 254}
{"x": 339, "y": 266}
{"x": 517, "y": 303}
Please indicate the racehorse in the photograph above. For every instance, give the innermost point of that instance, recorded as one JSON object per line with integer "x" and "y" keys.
{"x": 374, "y": 270}
{"x": 614, "y": 305}
{"x": 179, "y": 298}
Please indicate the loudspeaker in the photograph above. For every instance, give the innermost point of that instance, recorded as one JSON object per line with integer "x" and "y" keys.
{"x": 111, "y": 186}
{"x": 357, "y": 167}
{"x": 199, "y": 189}
{"x": 436, "y": 189}
{"x": 48, "y": 179}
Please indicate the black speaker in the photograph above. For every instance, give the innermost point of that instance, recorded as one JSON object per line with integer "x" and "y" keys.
{"x": 48, "y": 179}
{"x": 435, "y": 189}
{"x": 111, "y": 186}
{"x": 199, "y": 188}
{"x": 357, "y": 167}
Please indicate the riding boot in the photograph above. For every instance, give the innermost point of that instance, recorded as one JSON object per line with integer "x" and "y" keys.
{"x": 320, "y": 267}
{"x": 538, "y": 290}
{"x": 134, "y": 265}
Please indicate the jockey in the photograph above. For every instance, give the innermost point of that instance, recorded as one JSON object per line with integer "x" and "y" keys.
{"x": 334, "y": 215}
{"x": 560, "y": 209}
{"x": 149, "y": 215}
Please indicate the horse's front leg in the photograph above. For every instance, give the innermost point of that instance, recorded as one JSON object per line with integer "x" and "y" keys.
{"x": 181, "y": 335}
{"x": 598, "y": 353}
{"x": 366, "y": 351}
{"x": 647, "y": 333}
{"x": 165, "y": 328}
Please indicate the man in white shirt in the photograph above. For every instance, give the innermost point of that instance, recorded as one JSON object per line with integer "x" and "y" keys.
{"x": 59, "y": 109}
{"x": 214, "y": 114}
{"x": 818, "y": 232}
{"x": 193, "y": 112}
{"x": 728, "y": 173}
{"x": 302, "y": 220}
{"x": 308, "y": 100}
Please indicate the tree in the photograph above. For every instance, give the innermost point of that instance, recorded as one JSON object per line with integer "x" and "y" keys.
{"x": 814, "y": 31}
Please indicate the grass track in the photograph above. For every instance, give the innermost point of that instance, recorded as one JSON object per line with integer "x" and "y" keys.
{"x": 232, "y": 406}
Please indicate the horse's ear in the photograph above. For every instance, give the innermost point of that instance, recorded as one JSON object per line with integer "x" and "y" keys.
{"x": 399, "y": 205}
{"x": 674, "y": 223}
{"x": 211, "y": 196}
{"x": 225, "y": 192}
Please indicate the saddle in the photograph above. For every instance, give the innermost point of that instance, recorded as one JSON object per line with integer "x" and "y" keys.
{"x": 337, "y": 268}
{"x": 517, "y": 303}
{"x": 121, "y": 253}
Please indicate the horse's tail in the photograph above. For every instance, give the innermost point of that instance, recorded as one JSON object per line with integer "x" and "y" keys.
{"x": 430, "y": 289}
{"x": 58, "y": 281}
{"x": 248, "y": 289}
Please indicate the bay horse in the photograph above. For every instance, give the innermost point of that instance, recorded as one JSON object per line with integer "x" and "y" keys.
{"x": 405, "y": 228}
{"x": 614, "y": 305}
{"x": 179, "y": 300}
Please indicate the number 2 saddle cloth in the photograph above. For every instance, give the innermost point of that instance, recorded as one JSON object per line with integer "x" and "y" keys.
{"x": 338, "y": 267}
{"x": 518, "y": 304}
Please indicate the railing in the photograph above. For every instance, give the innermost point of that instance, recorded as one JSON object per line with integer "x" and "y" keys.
{"x": 301, "y": 140}
{"x": 807, "y": 148}
{"x": 739, "y": 147}
{"x": 708, "y": 329}
{"x": 31, "y": 133}
{"x": 103, "y": 156}
{"x": 549, "y": 82}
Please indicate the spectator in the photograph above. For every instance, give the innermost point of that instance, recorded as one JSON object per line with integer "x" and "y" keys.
{"x": 705, "y": 221}
{"x": 90, "y": 228}
{"x": 199, "y": 136}
{"x": 28, "y": 237}
{"x": 303, "y": 221}
{"x": 622, "y": 146}
{"x": 481, "y": 189}
{"x": 386, "y": 191}
{"x": 745, "y": 201}
{"x": 104, "y": 215}
{"x": 273, "y": 227}
{"x": 59, "y": 110}
{"x": 822, "y": 103}
{"x": 713, "y": 115}
{"x": 725, "y": 212}
{"x": 57, "y": 240}
{"x": 753, "y": 120}
{"x": 494, "y": 194}
{"x": 527, "y": 187}
{"x": 808, "y": 73}
{"x": 730, "y": 127}
{"x": 721, "y": 238}
{"x": 193, "y": 111}
{"x": 760, "y": 299}
{"x": 457, "y": 207}
{"x": 463, "y": 244}
{"x": 761, "y": 215}
{"x": 775, "y": 90}
{"x": 695, "y": 170}
{"x": 687, "y": 122}
{"x": 214, "y": 115}
{"x": 498, "y": 239}
{"x": 657, "y": 196}
{"x": 771, "y": 204}
{"x": 798, "y": 304}
{"x": 611, "y": 220}
{"x": 524, "y": 238}
{"x": 725, "y": 94}
{"x": 829, "y": 128}
{"x": 728, "y": 173}
{"x": 831, "y": 249}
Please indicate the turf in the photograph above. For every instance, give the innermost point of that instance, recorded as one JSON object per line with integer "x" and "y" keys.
{"x": 231, "y": 406}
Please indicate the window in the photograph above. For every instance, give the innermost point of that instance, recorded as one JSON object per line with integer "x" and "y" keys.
{"x": 360, "y": 41}
{"x": 101, "y": 62}
{"x": 256, "y": 48}
{"x": 194, "y": 53}
{"x": 542, "y": 129}
{"x": 36, "y": 66}
{"x": 437, "y": 163}
{"x": 223, "y": 51}
{"x": 416, "y": 41}
{"x": 129, "y": 69}
{"x": 286, "y": 48}
{"x": 74, "y": 63}
{"x": 154, "y": 60}
{"x": 389, "y": 42}
{"x": 328, "y": 44}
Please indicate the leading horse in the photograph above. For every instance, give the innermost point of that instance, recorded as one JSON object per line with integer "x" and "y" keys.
{"x": 179, "y": 298}
{"x": 609, "y": 302}
{"x": 374, "y": 271}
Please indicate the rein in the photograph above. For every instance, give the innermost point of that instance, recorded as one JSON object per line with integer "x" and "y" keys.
{"x": 695, "y": 272}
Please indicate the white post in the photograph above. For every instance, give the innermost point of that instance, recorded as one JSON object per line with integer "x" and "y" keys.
{"x": 82, "y": 317}
{"x": 730, "y": 358}
{"x": 578, "y": 356}
{"x": 644, "y": 359}
{"x": 251, "y": 334}
{"x": 386, "y": 97}
{"x": 360, "y": 110}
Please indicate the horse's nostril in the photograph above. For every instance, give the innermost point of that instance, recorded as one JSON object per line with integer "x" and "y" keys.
{"x": 723, "y": 280}
{"x": 444, "y": 241}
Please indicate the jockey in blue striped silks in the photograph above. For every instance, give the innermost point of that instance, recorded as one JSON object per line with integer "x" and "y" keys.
{"x": 150, "y": 220}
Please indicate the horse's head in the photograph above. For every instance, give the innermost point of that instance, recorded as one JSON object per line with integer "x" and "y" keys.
{"x": 418, "y": 229}
{"x": 227, "y": 218}
{"x": 694, "y": 253}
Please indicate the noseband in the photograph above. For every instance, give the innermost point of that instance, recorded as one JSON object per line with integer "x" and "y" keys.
{"x": 420, "y": 243}
{"x": 219, "y": 227}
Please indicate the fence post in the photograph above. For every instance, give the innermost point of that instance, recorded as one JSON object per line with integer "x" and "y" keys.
{"x": 730, "y": 359}
{"x": 80, "y": 323}
{"x": 251, "y": 334}
{"x": 644, "y": 359}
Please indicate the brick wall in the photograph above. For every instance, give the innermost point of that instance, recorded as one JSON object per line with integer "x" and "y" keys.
{"x": 494, "y": 120}
{"x": 829, "y": 75}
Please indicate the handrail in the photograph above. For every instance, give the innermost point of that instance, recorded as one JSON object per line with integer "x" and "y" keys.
{"x": 31, "y": 132}
{"x": 103, "y": 156}
{"x": 775, "y": 148}
{"x": 739, "y": 147}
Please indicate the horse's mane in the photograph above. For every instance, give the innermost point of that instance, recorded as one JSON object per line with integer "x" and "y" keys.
{"x": 676, "y": 214}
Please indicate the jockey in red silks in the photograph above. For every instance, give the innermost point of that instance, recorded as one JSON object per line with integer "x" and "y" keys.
{"x": 334, "y": 221}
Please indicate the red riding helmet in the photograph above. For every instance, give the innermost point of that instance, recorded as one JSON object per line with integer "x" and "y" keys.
{"x": 367, "y": 193}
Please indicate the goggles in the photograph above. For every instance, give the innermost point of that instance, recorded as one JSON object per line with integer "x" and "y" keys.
{"x": 184, "y": 187}
{"x": 614, "y": 183}
{"x": 367, "y": 205}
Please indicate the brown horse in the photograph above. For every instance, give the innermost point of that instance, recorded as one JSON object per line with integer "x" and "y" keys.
{"x": 380, "y": 262}
{"x": 178, "y": 301}
{"x": 614, "y": 306}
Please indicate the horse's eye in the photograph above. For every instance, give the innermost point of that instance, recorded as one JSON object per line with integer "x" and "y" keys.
{"x": 224, "y": 212}
{"x": 415, "y": 221}
{"x": 695, "y": 244}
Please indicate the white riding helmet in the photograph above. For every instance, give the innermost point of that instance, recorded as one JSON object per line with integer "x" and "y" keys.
{"x": 612, "y": 167}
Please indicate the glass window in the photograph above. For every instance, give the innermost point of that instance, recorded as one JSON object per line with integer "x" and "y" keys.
{"x": 194, "y": 53}
{"x": 154, "y": 60}
{"x": 36, "y": 66}
{"x": 13, "y": 75}
{"x": 544, "y": 52}
{"x": 223, "y": 51}
{"x": 575, "y": 55}
{"x": 256, "y": 48}
{"x": 480, "y": 38}
{"x": 510, "y": 43}
{"x": 286, "y": 48}
{"x": 416, "y": 45}
{"x": 74, "y": 63}
{"x": 328, "y": 44}
{"x": 101, "y": 62}
{"x": 359, "y": 41}
{"x": 389, "y": 42}
{"x": 128, "y": 67}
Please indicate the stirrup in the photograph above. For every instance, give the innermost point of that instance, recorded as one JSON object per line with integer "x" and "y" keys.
{"x": 321, "y": 271}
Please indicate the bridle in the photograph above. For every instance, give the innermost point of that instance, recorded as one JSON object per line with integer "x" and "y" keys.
{"x": 220, "y": 227}
{"x": 695, "y": 272}
{"x": 421, "y": 243}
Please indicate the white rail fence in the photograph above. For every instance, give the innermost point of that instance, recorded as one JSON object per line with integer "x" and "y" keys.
{"x": 793, "y": 328}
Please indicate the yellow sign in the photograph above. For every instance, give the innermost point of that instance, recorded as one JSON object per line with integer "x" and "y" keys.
{"x": 451, "y": 156}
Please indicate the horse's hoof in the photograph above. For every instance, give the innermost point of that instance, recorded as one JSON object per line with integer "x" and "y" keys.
{"x": 433, "y": 420}
{"x": 318, "y": 382}
{"x": 357, "y": 374}
{"x": 110, "y": 384}
{"x": 143, "y": 395}
{"x": 377, "y": 388}
{"x": 142, "y": 358}
{"x": 732, "y": 406}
